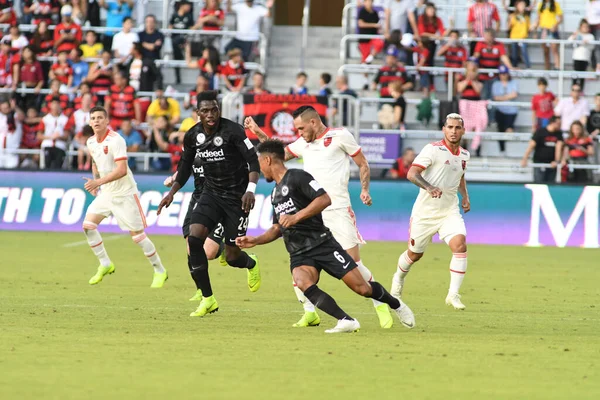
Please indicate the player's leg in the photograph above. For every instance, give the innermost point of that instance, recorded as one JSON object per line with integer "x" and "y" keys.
{"x": 454, "y": 233}
{"x": 160, "y": 273}
{"x": 96, "y": 212}
{"x": 235, "y": 222}
{"x": 310, "y": 316}
{"x": 214, "y": 246}
{"x": 199, "y": 265}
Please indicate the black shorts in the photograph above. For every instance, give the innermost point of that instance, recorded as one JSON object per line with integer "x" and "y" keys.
{"x": 212, "y": 210}
{"x": 216, "y": 235}
{"x": 505, "y": 121}
{"x": 329, "y": 256}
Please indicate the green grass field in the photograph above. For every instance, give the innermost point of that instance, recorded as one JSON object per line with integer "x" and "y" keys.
{"x": 531, "y": 329}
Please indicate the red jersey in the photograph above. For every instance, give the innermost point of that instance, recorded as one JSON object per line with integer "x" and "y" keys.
{"x": 470, "y": 93}
{"x": 232, "y": 73}
{"x": 489, "y": 57}
{"x": 542, "y": 105}
{"x": 455, "y": 57}
{"x": 121, "y": 102}
{"x": 44, "y": 10}
{"x": 67, "y": 44}
{"x": 62, "y": 72}
{"x": 64, "y": 103}
{"x": 424, "y": 27}
{"x": 422, "y": 54}
{"x": 387, "y": 75}
{"x": 176, "y": 150}
{"x": 77, "y": 102}
{"x": 29, "y": 139}
{"x": 5, "y": 68}
{"x": 12, "y": 17}
{"x": 220, "y": 14}
{"x": 43, "y": 46}
{"x": 31, "y": 73}
{"x": 103, "y": 82}
{"x": 400, "y": 169}
{"x": 481, "y": 16}
{"x": 578, "y": 146}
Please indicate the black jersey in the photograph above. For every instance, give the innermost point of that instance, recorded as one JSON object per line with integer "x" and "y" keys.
{"x": 225, "y": 158}
{"x": 296, "y": 190}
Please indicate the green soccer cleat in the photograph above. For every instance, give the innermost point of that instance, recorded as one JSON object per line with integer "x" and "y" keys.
{"x": 100, "y": 274}
{"x": 159, "y": 279}
{"x": 254, "y": 275}
{"x": 197, "y": 296}
{"x": 308, "y": 319}
{"x": 385, "y": 316}
{"x": 223, "y": 260}
{"x": 208, "y": 305}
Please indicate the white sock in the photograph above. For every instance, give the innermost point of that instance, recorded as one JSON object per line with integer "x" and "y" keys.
{"x": 95, "y": 241}
{"x": 149, "y": 251}
{"x": 404, "y": 265}
{"x": 458, "y": 268}
{"x": 367, "y": 276}
{"x": 308, "y": 306}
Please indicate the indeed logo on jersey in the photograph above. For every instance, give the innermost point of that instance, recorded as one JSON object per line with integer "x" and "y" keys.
{"x": 285, "y": 208}
{"x": 211, "y": 155}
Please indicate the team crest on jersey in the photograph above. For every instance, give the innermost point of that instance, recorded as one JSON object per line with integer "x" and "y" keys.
{"x": 327, "y": 141}
{"x": 285, "y": 190}
{"x": 218, "y": 141}
{"x": 105, "y": 149}
{"x": 200, "y": 138}
{"x": 464, "y": 165}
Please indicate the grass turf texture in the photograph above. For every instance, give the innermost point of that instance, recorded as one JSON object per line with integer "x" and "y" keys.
{"x": 530, "y": 330}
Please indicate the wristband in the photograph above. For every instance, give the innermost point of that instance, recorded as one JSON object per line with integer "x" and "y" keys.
{"x": 251, "y": 187}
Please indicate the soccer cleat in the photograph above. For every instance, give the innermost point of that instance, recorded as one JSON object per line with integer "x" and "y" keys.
{"x": 208, "y": 305}
{"x": 397, "y": 285}
{"x": 100, "y": 274}
{"x": 159, "y": 279}
{"x": 308, "y": 319}
{"x": 223, "y": 260}
{"x": 453, "y": 299}
{"x": 254, "y": 275}
{"x": 407, "y": 318}
{"x": 384, "y": 315}
{"x": 345, "y": 326}
{"x": 197, "y": 296}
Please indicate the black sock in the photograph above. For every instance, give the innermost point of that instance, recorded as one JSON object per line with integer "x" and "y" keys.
{"x": 325, "y": 302}
{"x": 380, "y": 294}
{"x": 199, "y": 265}
{"x": 194, "y": 277}
{"x": 243, "y": 261}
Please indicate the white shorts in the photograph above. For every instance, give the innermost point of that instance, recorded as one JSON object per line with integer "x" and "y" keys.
{"x": 342, "y": 224}
{"x": 127, "y": 210}
{"x": 421, "y": 231}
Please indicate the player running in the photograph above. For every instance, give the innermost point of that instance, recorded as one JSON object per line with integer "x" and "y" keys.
{"x": 116, "y": 194}
{"x": 439, "y": 170}
{"x": 230, "y": 167}
{"x": 298, "y": 201}
{"x": 326, "y": 153}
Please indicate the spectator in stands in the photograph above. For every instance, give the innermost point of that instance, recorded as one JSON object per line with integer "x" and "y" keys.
{"x": 505, "y": 90}
{"x": 67, "y": 34}
{"x": 6, "y": 70}
{"x": 473, "y": 110}
{"x": 79, "y": 11}
{"x": 512, "y": 5}
{"x": 324, "y": 81}
{"x": 160, "y": 133}
{"x": 233, "y": 71}
{"x": 593, "y": 121}
{"x": 17, "y": 40}
{"x": 84, "y": 89}
{"x": 81, "y": 69}
{"x": 41, "y": 10}
{"x": 54, "y": 136}
{"x": 101, "y": 75}
{"x": 546, "y": 145}
{"x": 62, "y": 71}
{"x": 592, "y": 15}
{"x": 300, "y": 86}
{"x": 542, "y": 105}
{"x": 10, "y": 136}
{"x": 7, "y": 13}
{"x": 164, "y": 106}
{"x": 248, "y": 16}
{"x": 77, "y": 122}
{"x": 431, "y": 27}
{"x": 121, "y": 103}
{"x": 454, "y": 53}
{"x": 482, "y": 16}
{"x": 209, "y": 64}
{"x": 401, "y": 166}
{"x": 571, "y": 109}
{"x": 368, "y": 24}
{"x": 181, "y": 19}
{"x": 519, "y": 26}
{"x": 422, "y": 52}
{"x": 151, "y": 39}
{"x": 93, "y": 12}
{"x": 124, "y": 40}
{"x": 83, "y": 154}
{"x": 42, "y": 44}
{"x": 133, "y": 141}
{"x": 55, "y": 93}
{"x": 143, "y": 74}
{"x": 399, "y": 105}
{"x": 578, "y": 149}
{"x": 211, "y": 18}
{"x": 28, "y": 73}
{"x": 116, "y": 12}
{"x": 341, "y": 84}
{"x": 191, "y": 100}
{"x": 582, "y": 53}
{"x": 550, "y": 17}
{"x": 399, "y": 16}
{"x": 30, "y": 140}
{"x": 390, "y": 72}
{"x": 173, "y": 144}
{"x": 91, "y": 48}
{"x": 470, "y": 87}
{"x": 258, "y": 84}
{"x": 491, "y": 55}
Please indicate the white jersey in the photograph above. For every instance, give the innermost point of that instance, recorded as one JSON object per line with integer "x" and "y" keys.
{"x": 444, "y": 170}
{"x": 51, "y": 125}
{"x": 106, "y": 153}
{"x": 327, "y": 159}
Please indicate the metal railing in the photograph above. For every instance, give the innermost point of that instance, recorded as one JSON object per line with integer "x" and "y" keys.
{"x": 305, "y": 24}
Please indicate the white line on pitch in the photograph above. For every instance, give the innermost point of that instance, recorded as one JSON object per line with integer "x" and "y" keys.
{"x": 82, "y": 242}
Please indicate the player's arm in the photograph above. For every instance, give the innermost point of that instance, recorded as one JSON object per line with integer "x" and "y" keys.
{"x": 414, "y": 175}
{"x": 270, "y": 235}
{"x": 246, "y": 148}
{"x": 462, "y": 189}
{"x": 252, "y": 126}
{"x": 365, "y": 177}
{"x": 530, "y": 148}
{"x": 184, "y": 170}
{"x": 91, "y": 185}
{"x": 310, "y": 188}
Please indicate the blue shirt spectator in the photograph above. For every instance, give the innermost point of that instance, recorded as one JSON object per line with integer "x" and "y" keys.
{"x": 133, "y": 141}
{"x": 505, "y": 90}
{"x": 80, "y": 68}
{"x": 116, "y": 10}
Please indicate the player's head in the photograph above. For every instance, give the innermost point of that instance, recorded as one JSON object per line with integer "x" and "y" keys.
{"x": 454, "y": 128}
{"x": 208, "y": 109}
{"x": 271, "y": 153}
{"x": 99, "y": 120}
{"x": 308, "y": 122}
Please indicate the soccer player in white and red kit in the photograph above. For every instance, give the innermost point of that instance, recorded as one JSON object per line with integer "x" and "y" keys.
{"x": 439, "y": 170}
{"x": 326, "y": 153}
{"x": 116, "y": 194}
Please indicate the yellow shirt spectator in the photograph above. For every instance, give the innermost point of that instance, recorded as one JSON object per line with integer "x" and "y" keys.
{"x": 169, "y": 108}
{"x": 519, "y": 26}
{"x": 186, "y": 124}
{"x": 93, "y": 51}
{"x": 548, "y": 18}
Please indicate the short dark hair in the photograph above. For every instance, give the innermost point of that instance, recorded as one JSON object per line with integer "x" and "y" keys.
{"x": 127, "y": 19}
{"x": 543, "y": 81}
{"x": 55, "y": 99}
{"x": 79, "y": 52}
{"x": 273, "y": 147}
{"x": 99, "y": 109}
{"x": 326, "y": 77}
{"x": 87, "y": 131}
{"x": 302, "y": 109}
{"x": 207, "y": 95}
{"x": 301, "y": 74}
{"x": 455, "y": 31}
{"x": 553, "y": 119}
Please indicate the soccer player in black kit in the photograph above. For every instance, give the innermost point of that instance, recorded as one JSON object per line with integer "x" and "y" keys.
{"x": 230, "y": 167}
{"x": 298, "y": 200}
